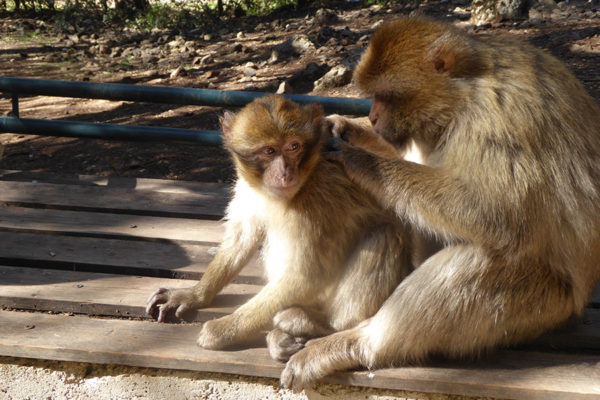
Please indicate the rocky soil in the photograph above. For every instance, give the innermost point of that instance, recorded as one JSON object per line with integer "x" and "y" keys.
{"x": 310, "y": 52}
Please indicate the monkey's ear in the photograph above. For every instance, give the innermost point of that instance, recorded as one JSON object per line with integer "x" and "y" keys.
{"x": 227, "y": 124}
{"x": 316, "y": 114}
{"x": 441, "y": 55}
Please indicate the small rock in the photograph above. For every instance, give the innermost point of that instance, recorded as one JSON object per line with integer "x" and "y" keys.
{"x": 336, "y": 77}
{"x": 325, "y": 16}
{"x": 284, "y": 87}
{"x": 207, "y": 37}
{"x": 377, "y": 25}
{"x": 179, "y": 71}
{"x": 249, "y": 71}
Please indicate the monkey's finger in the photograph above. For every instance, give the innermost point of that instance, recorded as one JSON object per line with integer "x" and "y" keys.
{"x": 183, "y": 309}
{"x": 164, "y": 310}
{"x": 156, "y": 293}
{"x": 287, "y": 377}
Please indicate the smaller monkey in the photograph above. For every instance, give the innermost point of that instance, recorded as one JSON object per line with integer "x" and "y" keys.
{"x": 326, "y": 245}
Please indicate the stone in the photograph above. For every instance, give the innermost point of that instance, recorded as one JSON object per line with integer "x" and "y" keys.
{"x": 324, "y": 17}
{"x": 177, "y": 72}
{"x": 336, "y": 77}
{"x": 284, "y": 87}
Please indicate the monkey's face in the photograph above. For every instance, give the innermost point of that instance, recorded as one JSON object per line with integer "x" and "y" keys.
{"x": 412, "y": 70}
{"x": 275, "y": 143}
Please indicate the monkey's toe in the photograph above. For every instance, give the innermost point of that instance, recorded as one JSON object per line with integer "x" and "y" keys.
{"x": 282, "y": 345}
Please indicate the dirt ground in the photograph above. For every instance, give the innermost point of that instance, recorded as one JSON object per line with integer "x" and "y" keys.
{"x": 238, "y": 54}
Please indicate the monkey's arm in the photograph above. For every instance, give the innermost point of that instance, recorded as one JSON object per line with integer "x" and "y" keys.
{"x": 358, "y": 132}
{"x": 239, "y": 245}
{"x": 432, "y": 198}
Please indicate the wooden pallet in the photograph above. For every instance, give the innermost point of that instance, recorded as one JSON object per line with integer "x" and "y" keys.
{"x": 79, "y": 255}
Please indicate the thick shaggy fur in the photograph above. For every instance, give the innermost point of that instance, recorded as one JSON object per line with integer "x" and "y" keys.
{"x": 511, "y": 184}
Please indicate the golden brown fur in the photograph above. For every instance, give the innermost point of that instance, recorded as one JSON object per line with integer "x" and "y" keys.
{"x": 511, "y": 184}
{"x": 325, "y": 242}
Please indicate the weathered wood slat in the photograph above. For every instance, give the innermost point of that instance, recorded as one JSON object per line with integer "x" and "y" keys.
{"x": 172, "y": 259}
{"x": 109, "y": 225}
{"x": 102, "y": 294}
{"x": 119, "y": 295}
{"x": 157, "y": 185}
{"x": 204, "y": 204}
{"x": 504, "y": 375}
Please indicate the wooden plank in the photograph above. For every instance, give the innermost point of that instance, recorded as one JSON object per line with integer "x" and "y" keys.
{"x": 157, "y": 185}
{"x": 203, "y": 204}
{"x": 109, "y": 225}
{"x": 168, "y": 259}
{"x": 102, "y": 294}
{"x": 146, "y": 344}
{"x": 119, "y": 295}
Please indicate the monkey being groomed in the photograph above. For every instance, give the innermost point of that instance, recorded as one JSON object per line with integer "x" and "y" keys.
{"x": 511, "y": 184}
{"x": 332, "y": 255}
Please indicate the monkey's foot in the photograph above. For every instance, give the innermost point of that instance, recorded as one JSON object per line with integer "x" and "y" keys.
{"x": 282, "y": 345}
{"x": 321, "y": 357}
{"x": 217, "y": 334}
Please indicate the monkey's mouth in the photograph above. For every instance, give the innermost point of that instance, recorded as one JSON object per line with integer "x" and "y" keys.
{"x": 287, "y": 190}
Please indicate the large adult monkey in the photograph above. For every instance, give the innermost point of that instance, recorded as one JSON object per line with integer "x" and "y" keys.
{"x": 511, "y": 184}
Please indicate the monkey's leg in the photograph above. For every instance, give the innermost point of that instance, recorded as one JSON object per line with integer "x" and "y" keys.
{"x": 376, "y": 266}
{"x": 460, "y": 302}
{"x": 380, "y": 261}
{"x": 257, "y": 314}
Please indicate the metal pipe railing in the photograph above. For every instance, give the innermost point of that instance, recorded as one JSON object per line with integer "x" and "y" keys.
{"x": 157, "y": 94}
{"x": 164, "y": 94}
{"x": 107, "y": 131}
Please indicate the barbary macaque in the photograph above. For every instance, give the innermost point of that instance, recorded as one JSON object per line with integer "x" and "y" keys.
{"x": 331, "y": 254}
{"x": 510, "y": 183}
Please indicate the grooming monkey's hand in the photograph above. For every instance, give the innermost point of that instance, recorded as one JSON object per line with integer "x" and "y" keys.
{"x": 165, "y": 302}
{"x": 341, "y": 127}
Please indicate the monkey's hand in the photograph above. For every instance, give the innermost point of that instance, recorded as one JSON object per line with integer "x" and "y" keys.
{"x": 321, "y": 357}
{"x": 358, "y": 132}
{"x": 342, "y": 128}
{"x": 165, "y": 302}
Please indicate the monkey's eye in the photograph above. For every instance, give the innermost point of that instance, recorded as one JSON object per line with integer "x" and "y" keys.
{"x": 268, "y": 150}
{"x": 294, "y": 146}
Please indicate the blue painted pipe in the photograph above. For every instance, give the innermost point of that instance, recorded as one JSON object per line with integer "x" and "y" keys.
{"x": 163, "y": 94}
{"x": 107, "y": 131}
